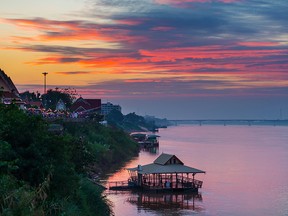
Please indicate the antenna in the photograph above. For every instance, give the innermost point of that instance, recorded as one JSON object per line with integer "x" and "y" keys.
{"x": 45, "y": 74}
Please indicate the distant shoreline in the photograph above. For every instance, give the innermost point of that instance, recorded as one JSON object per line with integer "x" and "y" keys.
{"x": 227, "y": 122}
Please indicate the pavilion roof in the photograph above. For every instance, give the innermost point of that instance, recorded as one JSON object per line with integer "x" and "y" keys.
{"x": 162, "y": 169}
{"x": 164, "y": 158}
{"x": 161, "y": 166}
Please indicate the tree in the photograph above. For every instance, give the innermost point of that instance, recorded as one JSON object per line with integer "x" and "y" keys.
{"x": 51, "y": 98}
{"x": 134, "y": 118}
{"x": 115, "y": 117}
{"x": 30, "y": 96}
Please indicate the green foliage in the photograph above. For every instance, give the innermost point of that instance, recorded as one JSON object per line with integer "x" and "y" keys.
{"x": 18, "y": 198}
{"x": 8, "y": 158}
{"x": 129, "y": 122}
{"x": 30, "y": 96}
{"x": 104, "y": 146}
{"x": 91, "y": 201}
{"x": 42, "y": 173}
{"x": 115, "y": 117}
{"x": 51, "y": 98}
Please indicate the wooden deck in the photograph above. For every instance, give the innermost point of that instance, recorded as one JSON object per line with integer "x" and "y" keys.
{"x": 179, "y": 184}
{"x": 120, "y": 185}
{"x": 185, "y": 184}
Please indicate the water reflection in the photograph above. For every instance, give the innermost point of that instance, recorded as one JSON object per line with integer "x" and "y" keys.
{"x": 246, "y": 171}
{"x": 171, "y": 201}
{"x": 163, "y": 203}
{"x": 151, "y": 150}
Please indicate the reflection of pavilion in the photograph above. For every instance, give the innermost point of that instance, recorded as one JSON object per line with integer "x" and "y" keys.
{"x": 151, "y": 150}
{"x": 171, "y": 201}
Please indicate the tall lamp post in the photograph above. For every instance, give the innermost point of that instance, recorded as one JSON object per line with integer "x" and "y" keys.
{"x": 45, "y": 74}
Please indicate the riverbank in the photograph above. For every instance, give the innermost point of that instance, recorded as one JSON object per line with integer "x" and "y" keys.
{"x": 43, "y": 173}
{"x": 110, "y": 147}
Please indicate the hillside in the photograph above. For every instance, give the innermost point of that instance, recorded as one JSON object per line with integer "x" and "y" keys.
{"x": 42, "y": 173}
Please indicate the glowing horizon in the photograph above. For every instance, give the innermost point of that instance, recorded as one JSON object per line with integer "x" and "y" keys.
{"x": 153, "y": 48}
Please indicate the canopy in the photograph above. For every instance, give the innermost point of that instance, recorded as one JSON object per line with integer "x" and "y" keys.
{"x": 162, "y": 169}
{"x": 165, "y": 163}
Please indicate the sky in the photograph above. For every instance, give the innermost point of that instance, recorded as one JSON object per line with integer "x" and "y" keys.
{"x": 188, "y": 59}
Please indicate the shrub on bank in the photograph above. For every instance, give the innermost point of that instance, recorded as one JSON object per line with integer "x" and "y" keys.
{"x": 46, "y": 174}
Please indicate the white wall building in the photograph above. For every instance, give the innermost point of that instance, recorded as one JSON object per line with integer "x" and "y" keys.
{"x": 106, "y": 108}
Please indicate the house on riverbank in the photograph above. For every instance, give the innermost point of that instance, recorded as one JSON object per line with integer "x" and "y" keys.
{"x": 86, "y": 106}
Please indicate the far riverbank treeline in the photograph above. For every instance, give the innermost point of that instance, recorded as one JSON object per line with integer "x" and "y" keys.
{"x": 42, "y": 173}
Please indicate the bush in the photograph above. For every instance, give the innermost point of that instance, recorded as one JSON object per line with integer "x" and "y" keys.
{"x": 42, "y": 173}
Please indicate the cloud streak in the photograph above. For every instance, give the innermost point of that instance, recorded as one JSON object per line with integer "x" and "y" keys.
{"x": 195, "y": 47}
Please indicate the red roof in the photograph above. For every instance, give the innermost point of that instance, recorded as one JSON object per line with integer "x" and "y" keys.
{"x": 11, "y": 95}
{"x": 86, "y": 104}
{"x": 8, "y": 83}
{"x": 35, "y": 103}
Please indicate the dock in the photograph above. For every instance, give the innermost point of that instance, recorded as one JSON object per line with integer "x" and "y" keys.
{"x": 166, "y": 174}
{"x": 119, "y": 185}
{"x": 146, "y": 140}
{"x": 188, "y": 185}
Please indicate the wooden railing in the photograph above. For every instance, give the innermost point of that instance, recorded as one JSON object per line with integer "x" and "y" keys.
{"x": 179, "y": 183}
{"x": 117, "y": 184}
{"x": 189, "y": 182}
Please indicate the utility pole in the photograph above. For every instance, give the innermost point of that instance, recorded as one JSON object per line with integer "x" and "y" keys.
{"x": 45, "y": 74}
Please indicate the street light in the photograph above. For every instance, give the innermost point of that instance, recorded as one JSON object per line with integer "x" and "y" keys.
{"x": 45, "y": 74}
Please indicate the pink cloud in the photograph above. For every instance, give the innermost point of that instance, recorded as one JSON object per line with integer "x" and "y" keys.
{"x": 162, "y": 28}
{"x": 183, "y": 2}
{"x": 258, "y": 44}
{"x": 204, "y": 52}
{"x": 129, "y": 22}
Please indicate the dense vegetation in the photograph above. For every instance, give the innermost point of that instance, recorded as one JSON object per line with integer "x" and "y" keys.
{"x": 133, "y": 122}
{"x": 51, "y": 98}
{"x": 129, "y": 122}
{"x": 46, "y": 174}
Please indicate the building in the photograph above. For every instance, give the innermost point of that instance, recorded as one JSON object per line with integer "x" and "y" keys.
{"x": 34, "y": 104}
{"x": 86, "y": 106}
{"x": 8, "y": 91}
{"x": 106, "y": 108}
{"x": 168, "y": 173}
{"x": 61, "y": 105}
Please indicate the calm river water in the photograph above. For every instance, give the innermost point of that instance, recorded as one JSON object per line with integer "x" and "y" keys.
{"x": 246, "y": 172}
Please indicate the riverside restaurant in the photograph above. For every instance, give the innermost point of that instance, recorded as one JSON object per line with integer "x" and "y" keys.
{"x": 166, "y": 173}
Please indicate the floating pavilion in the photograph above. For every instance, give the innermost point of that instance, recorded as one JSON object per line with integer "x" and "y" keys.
{"x": 166, "y": 173}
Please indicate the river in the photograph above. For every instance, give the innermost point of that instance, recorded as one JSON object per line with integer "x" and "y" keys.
{"x": 246, "y": 172}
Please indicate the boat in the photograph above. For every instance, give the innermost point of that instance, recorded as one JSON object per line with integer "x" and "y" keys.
{"x": 146, "y": 140}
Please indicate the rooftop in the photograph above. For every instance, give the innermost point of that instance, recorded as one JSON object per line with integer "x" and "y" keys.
{"x": 165, "y": 163}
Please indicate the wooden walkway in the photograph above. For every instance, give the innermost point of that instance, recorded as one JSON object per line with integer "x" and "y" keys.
{"x": 179, "y": 185}
{"x": 119, "y": 185}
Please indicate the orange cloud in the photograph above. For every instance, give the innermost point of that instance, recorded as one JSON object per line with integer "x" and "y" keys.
{"x": 72, "y": 72}
{"x": 206, "y": 61}
{"x": 140, "y": 80}
{"x": 239, "y": 64}
{"x": 55, "y": 60}
{"x": 77, "y": 30}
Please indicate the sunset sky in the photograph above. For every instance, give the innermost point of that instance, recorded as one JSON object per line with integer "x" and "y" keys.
{"x": 179, "y": 59}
